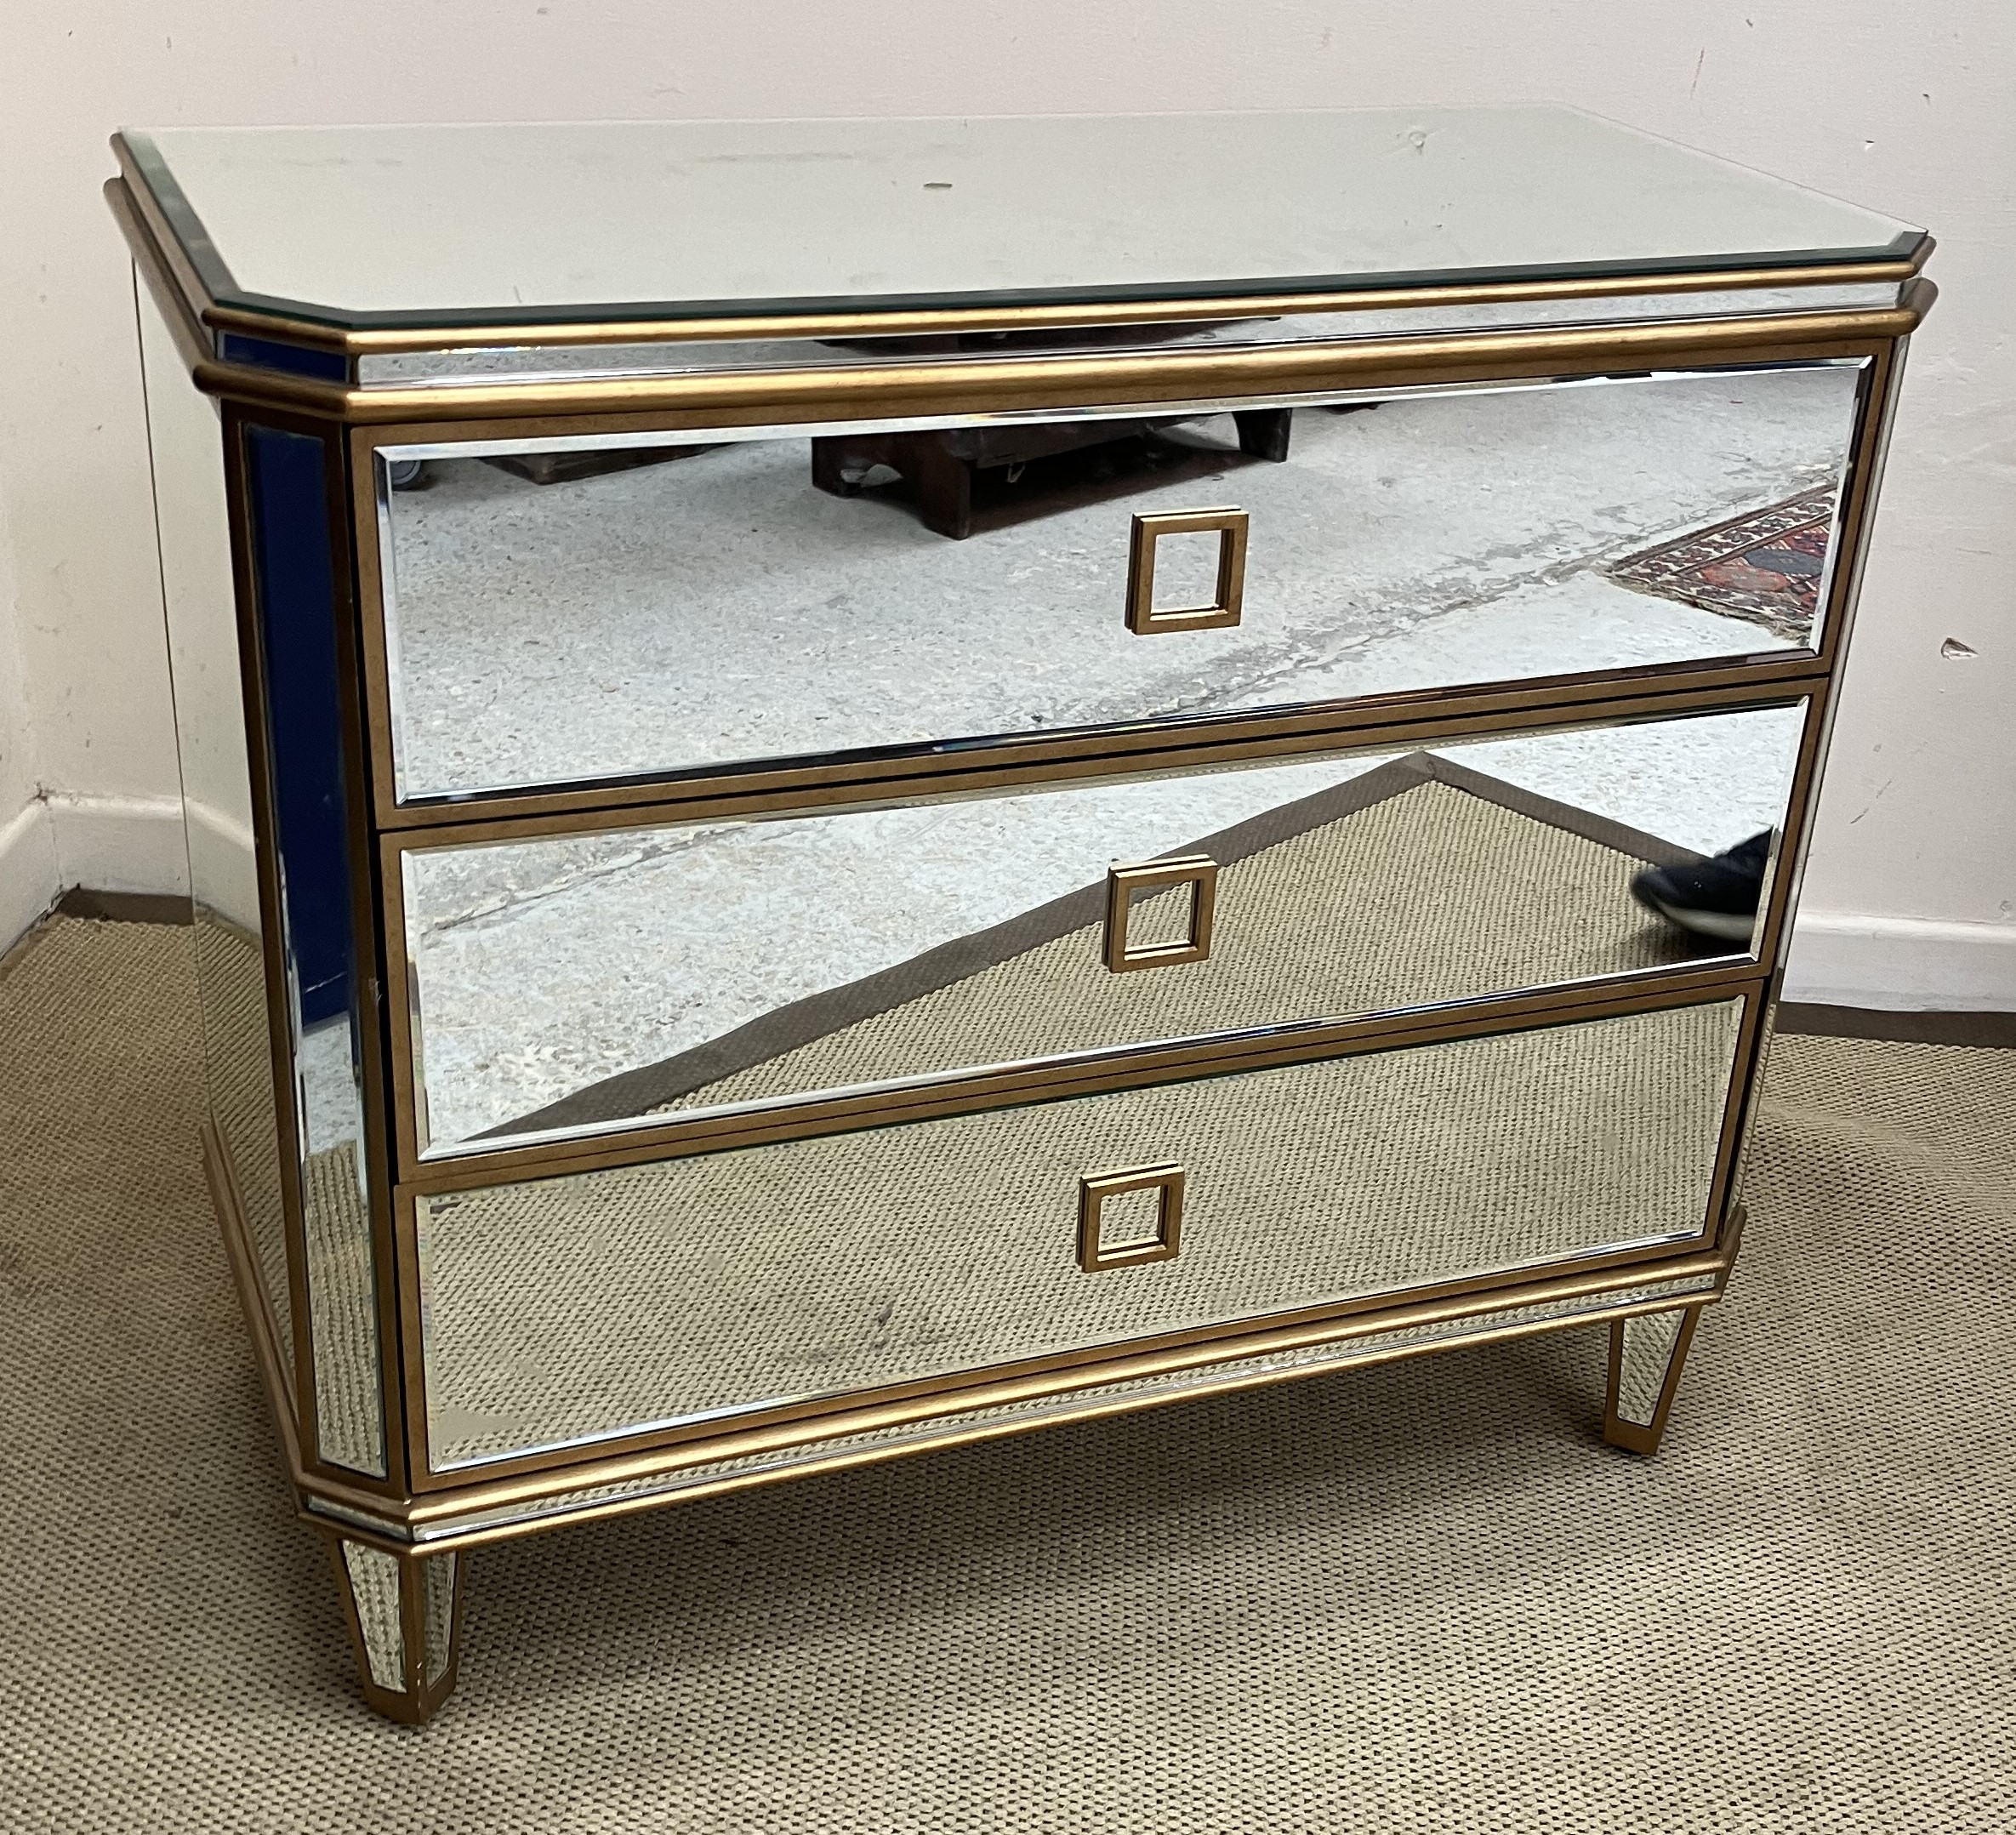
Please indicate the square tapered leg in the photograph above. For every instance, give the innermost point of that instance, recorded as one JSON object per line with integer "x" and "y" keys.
{"x": 1646, "y": 1352}
{"x": 405, "y": 1617}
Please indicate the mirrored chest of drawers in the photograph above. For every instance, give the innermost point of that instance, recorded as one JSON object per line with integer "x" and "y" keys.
{"x": 853, "y": 786}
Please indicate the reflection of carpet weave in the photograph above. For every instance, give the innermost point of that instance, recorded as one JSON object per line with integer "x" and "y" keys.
{"x": 1422, "y": 881}
{"x": 586, "y": 1304}
{"x": 348, "y": 1417}
{"x": 343, "y": 1323}
{"x": 239, "y": 1064}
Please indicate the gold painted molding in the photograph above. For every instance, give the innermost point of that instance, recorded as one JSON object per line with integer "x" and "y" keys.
{"x": 1032, "y": 382}
{"x": 952, "y": 322}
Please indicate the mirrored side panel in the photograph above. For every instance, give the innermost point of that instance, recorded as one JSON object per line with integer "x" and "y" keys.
{"x": 659, "y": 972}
{"x": 193, "y": 527}
{"x": 565, "y": 611}
{"x": 293, "y": 575}
{"x": 560, "y": 1311}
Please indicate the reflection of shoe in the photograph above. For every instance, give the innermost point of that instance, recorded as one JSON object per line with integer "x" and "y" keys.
{"x": 1716, "y": 897}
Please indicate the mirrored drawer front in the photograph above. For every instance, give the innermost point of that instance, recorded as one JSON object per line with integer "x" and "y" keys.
{"x": 584, "y": 983}
{"x": 557, "y": 614}
{"x": 567, "y": 1309}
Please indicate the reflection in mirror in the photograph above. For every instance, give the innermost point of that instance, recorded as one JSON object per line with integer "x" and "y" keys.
{"x": 1649, "y": 1339}
{"x": 902, "y": 1253}
{"x": 186, "y": 443}
{"x": 294, "y": 568}
{"x": 374, "y": 1590}
{"x": 661, "y": 970}
{"x": 564, "y": 221}
{"x": 437, "y": 1612}
{"x": 629, "y": 613}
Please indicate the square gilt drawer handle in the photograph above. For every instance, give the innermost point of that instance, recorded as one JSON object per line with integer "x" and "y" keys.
{"x": 1196, "y": 871}
{"x": 1166, "y": 1182}
{"x": 1142, "y": 618}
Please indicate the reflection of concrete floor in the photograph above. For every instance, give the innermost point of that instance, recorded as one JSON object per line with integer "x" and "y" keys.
{"x": 721, "y": 607}
{"x": 1437, "y": 541}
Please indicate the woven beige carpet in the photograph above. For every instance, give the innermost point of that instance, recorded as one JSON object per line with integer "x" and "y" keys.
{"x": 1418, "y": 1599}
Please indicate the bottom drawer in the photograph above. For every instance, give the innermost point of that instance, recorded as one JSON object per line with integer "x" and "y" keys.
{"x": 568, "y": 1309}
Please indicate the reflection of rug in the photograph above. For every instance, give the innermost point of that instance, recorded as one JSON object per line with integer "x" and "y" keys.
{"x": 1765, "y": 565}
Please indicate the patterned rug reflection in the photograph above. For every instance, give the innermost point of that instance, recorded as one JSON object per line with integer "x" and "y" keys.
{"x": 1765, "y": 565}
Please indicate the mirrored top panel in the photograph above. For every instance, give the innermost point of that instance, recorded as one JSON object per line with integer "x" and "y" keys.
{"x": 388, "y": 226}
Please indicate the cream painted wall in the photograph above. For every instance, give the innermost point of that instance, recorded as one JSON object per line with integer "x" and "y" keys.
{"x": 1912, "y": 893}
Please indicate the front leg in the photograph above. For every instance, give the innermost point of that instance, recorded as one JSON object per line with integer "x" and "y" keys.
{"x": 1647, "y": 1350}
{"x": 405, "y": 1616}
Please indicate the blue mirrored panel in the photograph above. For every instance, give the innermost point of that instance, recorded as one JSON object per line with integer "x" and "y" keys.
{"x": 294, "y": 573}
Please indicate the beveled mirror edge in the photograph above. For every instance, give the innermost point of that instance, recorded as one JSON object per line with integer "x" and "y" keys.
{"x": 1398, "y": 720}
{"x": 181, "y": 295}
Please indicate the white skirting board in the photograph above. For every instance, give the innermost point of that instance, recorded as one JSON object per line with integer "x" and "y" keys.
{"x": 133, "y": 844}
{"x": 1904, "y": 964}
{"x": 29, "y": 880}
{"x": 111, "y": 844}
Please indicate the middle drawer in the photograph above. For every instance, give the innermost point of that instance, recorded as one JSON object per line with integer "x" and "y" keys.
{"x": 562, "y": 986}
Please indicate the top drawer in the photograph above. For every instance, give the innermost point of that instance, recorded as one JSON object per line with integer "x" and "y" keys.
{"x": 563, "y": 612}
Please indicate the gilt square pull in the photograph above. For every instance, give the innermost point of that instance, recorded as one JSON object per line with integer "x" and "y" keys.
{"x": 1124, "y": 884}
{"x": 1095, "y": 1191}
{"x": 1142, "y": 618}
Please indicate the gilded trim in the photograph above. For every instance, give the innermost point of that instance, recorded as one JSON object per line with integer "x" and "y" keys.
{"x": 755, "y": 397}
{"x": 1374, "y": 723}
{"x": 1121, "y": 1066}
{"x": 1092, "y": 315}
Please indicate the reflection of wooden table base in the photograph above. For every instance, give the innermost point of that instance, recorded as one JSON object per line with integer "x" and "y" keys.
{"x": 563, "y": 468}
{"x": 940, "y": 465}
